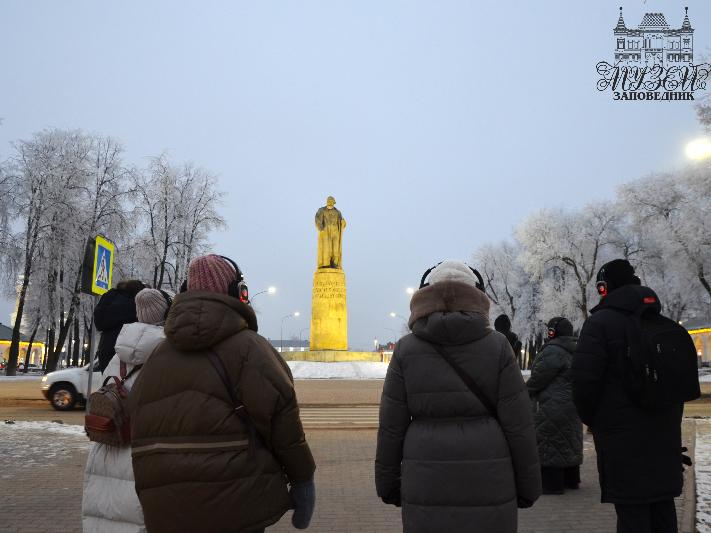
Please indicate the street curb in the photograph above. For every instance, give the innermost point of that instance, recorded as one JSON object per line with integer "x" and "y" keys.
{"x": 688, "y": 516}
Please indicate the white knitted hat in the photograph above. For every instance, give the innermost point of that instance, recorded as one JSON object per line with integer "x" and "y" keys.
{"x": 151, "y": 307}
{"x": 450, "y": 270}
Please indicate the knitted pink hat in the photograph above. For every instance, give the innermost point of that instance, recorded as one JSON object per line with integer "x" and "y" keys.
{"x": 210, "y": 273}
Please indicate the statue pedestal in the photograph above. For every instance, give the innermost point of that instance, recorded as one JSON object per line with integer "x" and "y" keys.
{"x": 329, "y": 317}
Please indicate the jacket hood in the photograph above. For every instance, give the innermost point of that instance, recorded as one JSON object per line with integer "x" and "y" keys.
{"x": 449, "y": 312}
{"x": 198, "y": 320}
{"x": 565, "y": 342}
{"x": 629, "y": 298}
{"x": 137, "y": 341}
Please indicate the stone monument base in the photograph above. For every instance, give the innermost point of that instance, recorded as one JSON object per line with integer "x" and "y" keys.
{"x": 329, "y": 318}
{"x": 332, "y": 356}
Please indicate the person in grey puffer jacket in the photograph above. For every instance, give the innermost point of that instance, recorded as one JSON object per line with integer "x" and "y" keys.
{"x": 559, "y": 431}
{"x": 451, "y": 464}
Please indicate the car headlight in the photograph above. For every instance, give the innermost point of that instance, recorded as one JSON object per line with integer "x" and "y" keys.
{"x": 44, "y": 378}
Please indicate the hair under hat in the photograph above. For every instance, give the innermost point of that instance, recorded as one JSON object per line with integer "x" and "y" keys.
{"x": 152, "y": 306}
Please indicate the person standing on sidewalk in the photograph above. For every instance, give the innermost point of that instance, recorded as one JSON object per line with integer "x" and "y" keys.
{"x": 502, "y": 324}
{"x": 621, "y": 392}
{"x": 456, "y": 443}
{"x": 115, "y": 308}
{"x": 109, "y": 503}
{"x": 559, "y": 431}
{"x": 217, "y": 441}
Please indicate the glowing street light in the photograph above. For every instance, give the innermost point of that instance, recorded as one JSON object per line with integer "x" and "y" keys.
{"x": 699, "y": 149}
{"x": 268, "y": 290}
{"x": 410, "y": 291}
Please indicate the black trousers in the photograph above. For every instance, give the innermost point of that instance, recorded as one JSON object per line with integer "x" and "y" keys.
{"x": 658, "y": 517}
{"x": 556, "y": 480}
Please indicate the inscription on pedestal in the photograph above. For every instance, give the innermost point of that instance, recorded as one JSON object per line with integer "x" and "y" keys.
{"x": 329, "y": 318}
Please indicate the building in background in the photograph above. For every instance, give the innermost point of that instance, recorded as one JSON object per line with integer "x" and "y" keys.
{"x": 5, "y": 340}
{"x": 700, "y": 331}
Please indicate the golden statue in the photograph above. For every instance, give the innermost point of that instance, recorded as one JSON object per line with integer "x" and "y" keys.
{"x": 330, "y": 225}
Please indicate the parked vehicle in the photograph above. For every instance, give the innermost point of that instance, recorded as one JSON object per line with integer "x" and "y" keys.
{"x": 31, "y": 368}
{"x": 65, "y": 388}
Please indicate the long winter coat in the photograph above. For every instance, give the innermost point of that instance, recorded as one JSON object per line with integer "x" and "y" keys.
{"x": 457, "y": 467}
{"x": 638, "y": 450}
{"x": 559, "y": 431}
{"x": 115, "y": 308}
{"x": 195, "y": 470}
{"x": 110, "y": 504}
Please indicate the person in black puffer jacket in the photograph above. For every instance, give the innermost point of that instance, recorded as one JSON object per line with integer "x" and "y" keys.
{"x": 558, "y": 429}
{"x": 115, "y": 308}
{"x": 502, "y": 324}
{"x": 454, "y": 465}
{"x": 638, "y": 450}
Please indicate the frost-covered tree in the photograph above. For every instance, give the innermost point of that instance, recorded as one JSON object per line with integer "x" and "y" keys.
{"x": 565, "y": 249}
{"x": 675, "y": 210}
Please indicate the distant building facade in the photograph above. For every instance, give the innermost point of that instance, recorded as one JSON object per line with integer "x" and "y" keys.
{"x": 653, "y": 42}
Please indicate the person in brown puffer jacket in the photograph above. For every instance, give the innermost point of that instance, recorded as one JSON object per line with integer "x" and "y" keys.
{"x": 204, "y": 461}
{"x": 457, "y": 457}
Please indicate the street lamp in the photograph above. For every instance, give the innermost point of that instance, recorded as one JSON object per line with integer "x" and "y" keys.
{"x": 268, "y": 290}
{"x": 410, "y": 291}
{"x": 699, "y": 149}
{"x": 281, "y": 334}
{"x": 395, "y": 315}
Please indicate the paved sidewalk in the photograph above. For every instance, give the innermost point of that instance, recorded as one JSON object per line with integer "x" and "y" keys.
{"x": 47, "y": 496}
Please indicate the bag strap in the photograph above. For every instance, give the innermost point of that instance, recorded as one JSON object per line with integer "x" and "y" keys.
{"x": 135, "y": 369}
{"x": 469, "y": 382}
{"x": 122, "y": 370}
{"x": 219, "y": 367}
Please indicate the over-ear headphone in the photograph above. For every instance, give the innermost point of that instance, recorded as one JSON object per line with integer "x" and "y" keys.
{"x": 237, "y": 288}
{"x": 601, "y": 284}
{"x": 479, "y": 283}
{"x": 552, "y": 328}
{"x": 168, "y": 302}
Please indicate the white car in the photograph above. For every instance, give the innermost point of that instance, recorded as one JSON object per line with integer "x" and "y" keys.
{"x": 65, "y": 388}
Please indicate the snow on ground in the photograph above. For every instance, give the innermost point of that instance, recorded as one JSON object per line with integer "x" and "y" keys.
{"x": 30, "y": 444}
{"x": 340, "y": 370}
{"x": 702, "y": 455}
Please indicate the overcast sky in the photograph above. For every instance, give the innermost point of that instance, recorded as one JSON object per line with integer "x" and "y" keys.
{"x": 437, "y": 126}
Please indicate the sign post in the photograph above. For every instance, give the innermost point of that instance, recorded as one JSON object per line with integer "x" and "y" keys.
{"x": 97, "y": 272}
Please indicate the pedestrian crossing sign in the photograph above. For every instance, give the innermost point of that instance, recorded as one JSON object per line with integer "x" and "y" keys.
{"x": 103, "y": 265}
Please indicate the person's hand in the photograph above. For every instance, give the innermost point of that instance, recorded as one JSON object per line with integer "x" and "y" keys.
{"x": 303, "y": 495}
{"x": 685, "y": 459}
{"x": 523, "y": 503}
{"x": 394, "y": 498}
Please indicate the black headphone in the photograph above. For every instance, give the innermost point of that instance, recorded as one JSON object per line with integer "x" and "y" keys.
{"x": 168, "y": 302}
{"x": 552, "y": 328}
{"x": 237, "y": 288}
{"x": 479, "y": 284}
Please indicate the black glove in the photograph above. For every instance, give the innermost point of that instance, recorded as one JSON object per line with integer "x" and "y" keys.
{"x": 303, "y": 495}
{"x": 523, "y": 503}
{"x": 394, "y": 498}
{"x": 685, "y": 459}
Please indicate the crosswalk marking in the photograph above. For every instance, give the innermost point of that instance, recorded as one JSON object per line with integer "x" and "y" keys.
{"x": 340, "y": 417}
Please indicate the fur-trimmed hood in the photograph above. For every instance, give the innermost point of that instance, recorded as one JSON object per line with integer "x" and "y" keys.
{"x": 450, "y": 312}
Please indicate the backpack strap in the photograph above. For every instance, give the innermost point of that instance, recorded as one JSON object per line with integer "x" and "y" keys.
{"x": 469, "y": 382}
{"x": 238, "y": 406}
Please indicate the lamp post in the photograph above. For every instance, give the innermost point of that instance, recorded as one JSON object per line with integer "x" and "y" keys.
{"x": 300, "y": 333}
{"x": 281, "y": 334}
{"x": 268, "y": 290}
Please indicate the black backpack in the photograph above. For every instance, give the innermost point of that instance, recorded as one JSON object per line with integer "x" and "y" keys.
{"x": 660, "y": 364}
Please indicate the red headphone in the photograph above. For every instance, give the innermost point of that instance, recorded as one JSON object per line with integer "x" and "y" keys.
{"x": 601, "y": 288}
{"x": 551, "y": 328}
